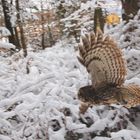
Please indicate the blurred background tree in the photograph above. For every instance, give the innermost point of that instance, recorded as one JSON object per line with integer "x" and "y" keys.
{"x": 130, "y": 9}
{"x": 41, "y": 24}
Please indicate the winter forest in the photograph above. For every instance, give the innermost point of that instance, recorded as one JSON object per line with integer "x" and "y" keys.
{"x": 40, "y": 75}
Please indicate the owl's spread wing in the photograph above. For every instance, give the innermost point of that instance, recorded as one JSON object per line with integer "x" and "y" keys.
{"x": 131, "y": 94}
{"x": 102, "y": 59}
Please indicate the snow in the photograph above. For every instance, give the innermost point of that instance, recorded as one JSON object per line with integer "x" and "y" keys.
{"x": 127, "y": 39}
{"x": 7, "y": 45}
{"x": 43, "y": 104}
{"x": 129, "y": 135}
{"x": 52, "y": 74}
{"x": 38, "y": 94}
{"x": 4, "y": 32}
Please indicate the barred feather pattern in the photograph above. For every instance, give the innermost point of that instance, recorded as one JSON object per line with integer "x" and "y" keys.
{"x": 103, "y": 59}
{"x": 128, "y": 96}
{"x": 131, "y": 94}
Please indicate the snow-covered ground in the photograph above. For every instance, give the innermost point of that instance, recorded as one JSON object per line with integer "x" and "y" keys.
{"x": 6, "y": 45}
{"x": 38, "y": 100}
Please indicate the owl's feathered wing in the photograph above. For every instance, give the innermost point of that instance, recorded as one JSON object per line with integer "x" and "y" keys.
{"x": 102, "y": 59}
{"x": 131, "y": 94}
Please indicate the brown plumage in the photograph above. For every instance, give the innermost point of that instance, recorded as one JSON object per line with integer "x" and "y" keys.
{"x": 104, "y": 62}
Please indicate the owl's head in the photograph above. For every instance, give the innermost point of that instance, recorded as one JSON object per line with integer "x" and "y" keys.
{"x": 88, "y": 94}
{"x": 105, "y": 95}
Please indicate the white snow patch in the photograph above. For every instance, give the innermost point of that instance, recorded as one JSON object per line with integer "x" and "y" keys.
{"x": 6, "y": 45}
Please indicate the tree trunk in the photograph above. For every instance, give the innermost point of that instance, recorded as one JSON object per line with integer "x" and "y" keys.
{"x": 19, "y": 22}
{"x": 6, "y": 11}
{"x": 130, "y": 9}
{"x": 52, "y": 42}
{"x": 99, "y": 20}
{"x": 17, "y": 38}
{"x": 43, "y": 28}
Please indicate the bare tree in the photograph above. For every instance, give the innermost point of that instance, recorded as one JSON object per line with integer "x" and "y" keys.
{"x": 19, "y": 22}
{"x": 99, "y": 19}
{"x": 8, "y": 24}
{"x": 42, "y": 26}
{"x": 130, "y": 8}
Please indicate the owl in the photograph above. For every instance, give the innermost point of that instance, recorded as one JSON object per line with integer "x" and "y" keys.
{"x": 104, "y": 62}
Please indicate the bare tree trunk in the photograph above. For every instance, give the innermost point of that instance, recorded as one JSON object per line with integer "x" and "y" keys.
{"x": 60, "y": 15}
{"x": 17, "y": 39}
{"x": 130, "y": 9}
{"x": 8, "y": 24}
{"x": 43, "y": 40}
{"x": 50, "y": 36}
{"x": 43, "y": 28}
{"x": 99, "y": 20}
{"x": 19, "y": 21}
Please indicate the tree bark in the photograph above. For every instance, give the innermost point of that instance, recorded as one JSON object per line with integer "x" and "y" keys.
{"x": 99, "y": 20}
{"x": 8, "y": 23}
{"x": 130, "y": 9}
{"x": 52, "y": 42}
{"x": 19, "y": 22}
{"x": 43, "y": 28}
{"x": 17, "y": 38}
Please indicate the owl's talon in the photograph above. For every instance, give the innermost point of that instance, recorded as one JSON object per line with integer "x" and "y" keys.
{"x": 83, "y": 107}
{"x": 104, "y": 61}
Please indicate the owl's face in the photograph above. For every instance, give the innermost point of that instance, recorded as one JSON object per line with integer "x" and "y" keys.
{"x": 88, "y": 95}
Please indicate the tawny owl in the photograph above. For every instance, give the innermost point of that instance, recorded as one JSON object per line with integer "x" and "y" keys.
{"x": 104, "y": 62}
